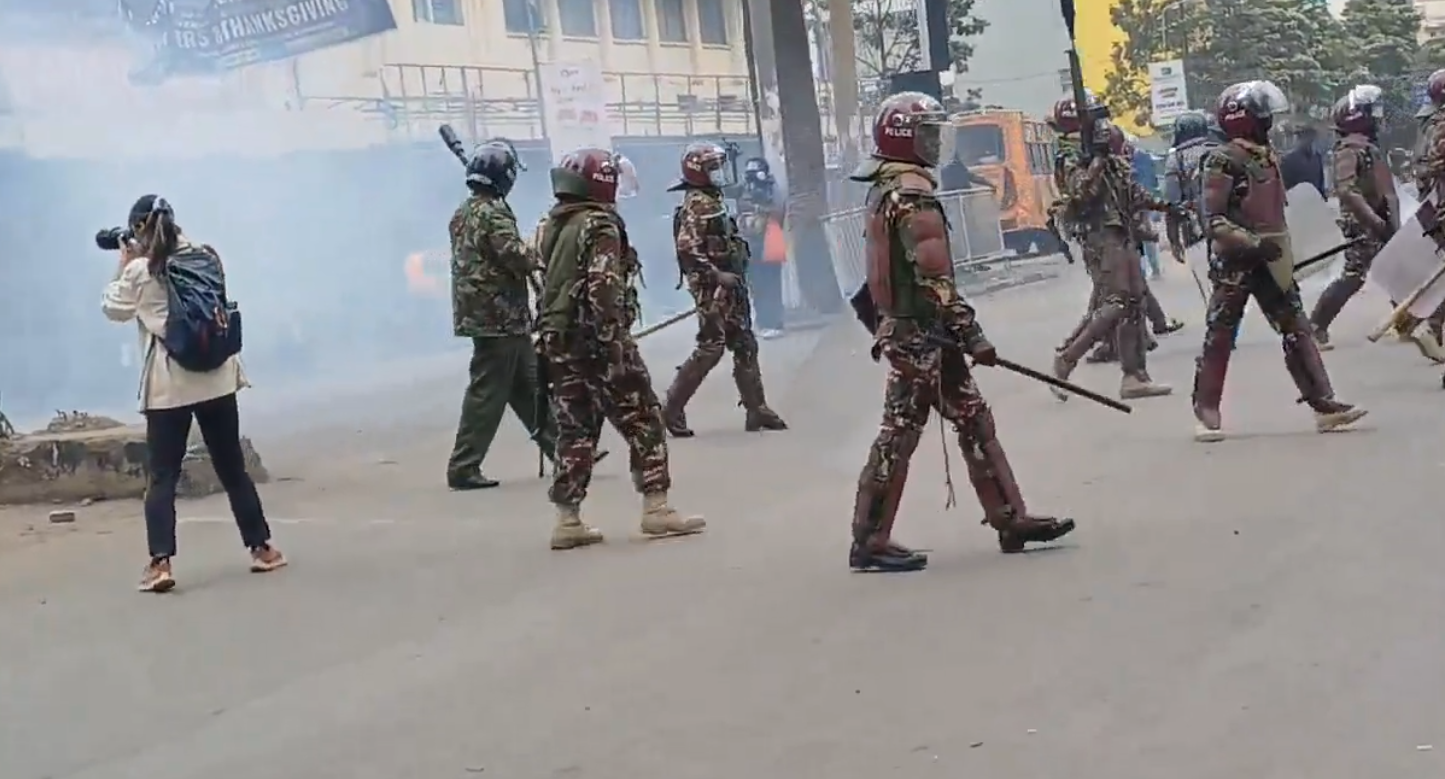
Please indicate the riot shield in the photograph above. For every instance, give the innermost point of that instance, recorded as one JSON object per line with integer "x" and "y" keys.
{"x": 1409, "y": 267}
{"x": 1312, "y": 227}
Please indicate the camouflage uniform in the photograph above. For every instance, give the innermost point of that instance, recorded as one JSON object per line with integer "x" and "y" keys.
{"x": 1108, "y": 202}
{"x": 1066, "y": 213}
{"x": 631, "y": 268}
{"x": 708, "y": 244}
{"x": 491, "y": 266}
{"x": 1244, "y": 199}
{"x": 1369, "y": 212}
{"x": 925, "y": 330}
{"x": 1429, "y": 170}
{"x": 597, "y": 370}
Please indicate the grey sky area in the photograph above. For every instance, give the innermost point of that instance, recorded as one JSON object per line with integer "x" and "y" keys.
{"x": 1017, "y": 59}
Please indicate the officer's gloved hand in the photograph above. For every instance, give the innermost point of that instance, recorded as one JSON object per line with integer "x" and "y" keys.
{"x": 1266, "y": 252}
{"x": 984, "y": 354}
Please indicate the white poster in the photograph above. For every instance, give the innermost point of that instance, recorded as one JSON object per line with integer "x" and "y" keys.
{"x": 576, "y": 107}
{"x": 1168, "y": 96}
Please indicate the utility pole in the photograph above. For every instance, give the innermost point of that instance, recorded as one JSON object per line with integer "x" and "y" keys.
{"x": 844, "y": 48}
{"x": 758, "y": 21}
{"x": 534, "y": 26}
{"x": 750, "y": 49}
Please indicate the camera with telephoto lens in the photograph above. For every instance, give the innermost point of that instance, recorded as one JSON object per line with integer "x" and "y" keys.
{"x": 111, "y": 238}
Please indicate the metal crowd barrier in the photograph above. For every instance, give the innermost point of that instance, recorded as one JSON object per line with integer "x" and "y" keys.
{"x": 976, "y": 240}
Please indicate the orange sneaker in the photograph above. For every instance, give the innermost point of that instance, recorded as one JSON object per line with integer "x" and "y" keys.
{"x": 266, "y": 558}
{"x": 157, "y": 576}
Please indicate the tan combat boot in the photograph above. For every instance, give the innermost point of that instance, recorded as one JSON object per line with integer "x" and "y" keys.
{"x": 571, "y": 532}
{"x": 1133, "y": 387}
{"x": 1332, "y": 415}
{"x": 660, "y": 520}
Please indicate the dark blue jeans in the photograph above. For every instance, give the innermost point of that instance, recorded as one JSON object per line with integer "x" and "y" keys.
{"x": 167, "y": 431}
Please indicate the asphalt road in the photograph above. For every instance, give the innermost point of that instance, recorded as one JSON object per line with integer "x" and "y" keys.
{"x": 1264, "y": 607}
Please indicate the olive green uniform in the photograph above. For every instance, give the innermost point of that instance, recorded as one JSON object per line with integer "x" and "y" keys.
{"x": 491, "y": 269}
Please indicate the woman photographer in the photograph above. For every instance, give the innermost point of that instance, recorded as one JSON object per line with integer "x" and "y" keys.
{"x": 170, "y": 395}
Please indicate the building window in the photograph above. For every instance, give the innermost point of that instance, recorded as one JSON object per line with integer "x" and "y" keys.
{"x": 671, "y": 22}
{"x": 712, "y": 22}
{"x": 578, "y": 18}
{"x": 626, "y": 18}
{"x": 437, "y": 11}
{"x": 521, "y": 16}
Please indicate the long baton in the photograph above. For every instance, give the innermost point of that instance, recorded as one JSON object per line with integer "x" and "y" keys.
{"x": 1405, "y": 306}
{"x": 668, "y": 322}
{"x": 1066, "y": 386}
{"x": 1199, "y": 284}
{"x": 1326, "y": 254}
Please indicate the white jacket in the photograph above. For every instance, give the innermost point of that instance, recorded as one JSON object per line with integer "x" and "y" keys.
{"x": 134, "y": 294}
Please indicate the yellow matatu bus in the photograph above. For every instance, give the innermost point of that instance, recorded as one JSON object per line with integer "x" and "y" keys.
{"x": 1014, "y": 153}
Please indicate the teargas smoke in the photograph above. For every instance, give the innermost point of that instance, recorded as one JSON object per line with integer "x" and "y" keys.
{"x": 314, "y": 191}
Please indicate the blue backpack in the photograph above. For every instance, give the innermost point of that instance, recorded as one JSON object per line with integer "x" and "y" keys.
{"x": 203, "y": 327}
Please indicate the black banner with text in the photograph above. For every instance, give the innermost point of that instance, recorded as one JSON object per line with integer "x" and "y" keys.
{"x": 221, "y": 35}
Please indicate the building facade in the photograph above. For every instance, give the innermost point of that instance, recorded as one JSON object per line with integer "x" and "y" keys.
{"x": 669, "y": 68}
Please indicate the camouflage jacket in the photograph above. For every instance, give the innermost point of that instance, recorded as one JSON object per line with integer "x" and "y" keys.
{"x": 490, "y": 270}
{"x": 1429, "y": 163}
{"x": 1064, "y": 210}
{"x": 1359, "y": 173}
{"x": 631, "y": 265}
{"x": 1234, "y": 166}
{"x": 1106, "y": 194}
{"x": 706, "y": 238}
{"x": 583, "y": 305}
{"x": 900, "y": 203}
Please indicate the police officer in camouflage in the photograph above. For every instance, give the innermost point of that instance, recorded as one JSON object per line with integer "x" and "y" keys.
{"x": 1250, "y": 257}
{"x": 713, "y": 259}
{"x": 927, "y": 333}
{"x": 596, "y": 369}
{"x": 1369, "y": 207}
{"x": 491, "y": 270}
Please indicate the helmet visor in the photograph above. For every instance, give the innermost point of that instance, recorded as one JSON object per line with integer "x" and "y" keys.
{"x": 1368, "y": 99}
{"x": 934, "y": 140}
{"x": 1268, "y": 99}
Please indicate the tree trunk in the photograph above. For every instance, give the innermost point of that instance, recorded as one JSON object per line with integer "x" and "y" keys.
{"x": 802, "y": 133}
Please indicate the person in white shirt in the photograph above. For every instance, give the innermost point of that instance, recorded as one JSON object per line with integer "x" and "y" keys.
{"x": 171, "y": 396}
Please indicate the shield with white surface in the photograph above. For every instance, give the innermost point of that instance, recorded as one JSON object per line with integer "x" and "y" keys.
{"x": 1312, "y": 227}
{"x": 1411, "y": 261}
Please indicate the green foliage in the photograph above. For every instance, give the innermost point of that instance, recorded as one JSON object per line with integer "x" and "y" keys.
{"x": 1296, "y": 44}
{"x": 1430, "y": 57}
{"x": 1149, "y": 26}
{"x": 888, "y": 43}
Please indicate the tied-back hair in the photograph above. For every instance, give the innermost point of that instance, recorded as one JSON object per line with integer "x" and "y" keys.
{"x": 154, "y": 223}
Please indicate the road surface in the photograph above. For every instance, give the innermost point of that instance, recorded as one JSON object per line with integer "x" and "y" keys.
{"x": 1261, "y": 608}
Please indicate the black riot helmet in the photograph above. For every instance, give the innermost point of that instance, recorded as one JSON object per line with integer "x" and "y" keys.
{"x": 1190, "y": 126}
{"x": 494, "y": 166}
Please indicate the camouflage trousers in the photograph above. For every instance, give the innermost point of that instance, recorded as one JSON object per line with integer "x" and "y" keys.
{"x": 619, "y": 390}
{"x": 922, "y": 377}
{"x": 1233, "y": 289}
{"x": 724, "y": 318}
{"x": 1153, "y": 314}
{"x": 1120, "y": 307}
{"x": 1358, "y": 258}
